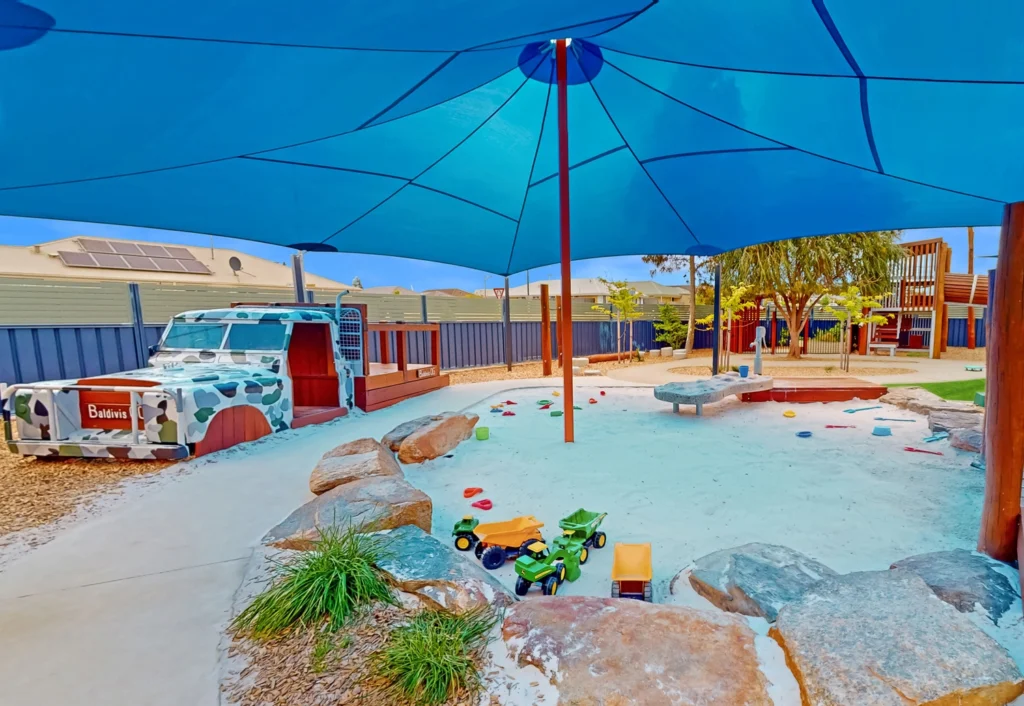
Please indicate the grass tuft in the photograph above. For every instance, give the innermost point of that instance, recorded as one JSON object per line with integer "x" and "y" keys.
{"x": 330, "y": 582}
{"x": 321, "y": 651}
{"x": 433, "y": 657}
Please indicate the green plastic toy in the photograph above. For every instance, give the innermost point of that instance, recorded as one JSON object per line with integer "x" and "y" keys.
{"x": 544, "y": 402}
{"x": 483, "y": 433}
{"x": 550, "y": 568}
{"x": 556, "y": 413}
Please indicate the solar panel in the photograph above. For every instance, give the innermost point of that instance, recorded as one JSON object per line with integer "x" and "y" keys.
{"x": 154, "y": 250}
{"x": 137, "y": 262}
{"x": 167, "y": 265}
{"x": 125, "y": 248}
{"x": 180, "y": 253}
{"x": 115, "y": 262}
{"x": 91, "y": 245}
{"x": 76, "y": 259}
{"x": 195, "y": 266}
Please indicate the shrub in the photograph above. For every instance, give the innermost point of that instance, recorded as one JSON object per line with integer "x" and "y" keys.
{"x": 671, "y": 330}
{"x": 829, "y": 335}
{"x": 333, "y": 580}
{"x": 433, "y": 657}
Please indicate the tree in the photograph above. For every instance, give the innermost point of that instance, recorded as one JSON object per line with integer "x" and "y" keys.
{"x": 623, "y": 298}
{"x": 671, "y": 330}
{"x": 735, "y": 300}
{"x": 671, "y": 263}
{"x": 849, "y": 306}
{"x": 796, "y": 274}
{"x": 357, "y": 283}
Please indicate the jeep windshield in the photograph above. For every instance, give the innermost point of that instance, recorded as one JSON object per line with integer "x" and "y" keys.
{"x": 237, "y": 336}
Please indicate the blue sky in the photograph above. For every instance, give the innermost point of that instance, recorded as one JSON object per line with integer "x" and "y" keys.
{"x": 376, "y": 271}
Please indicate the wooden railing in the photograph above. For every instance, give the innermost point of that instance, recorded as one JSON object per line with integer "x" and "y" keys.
{"x": 400, "y": 332}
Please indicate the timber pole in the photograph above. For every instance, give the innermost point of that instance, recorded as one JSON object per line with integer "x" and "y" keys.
{"x": 563, "y": 198}
{"x": 1004, "y": 394}
{"x": 971, "y": 337}
{"x": 506, "y": 317}
{"x": 545, "y": 329}
{"x": 947, "y": 263}
{"x": 718, "y": 320}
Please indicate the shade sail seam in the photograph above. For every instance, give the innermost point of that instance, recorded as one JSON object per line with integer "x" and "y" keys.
{"x": 625, "y": 21}
{"x": 703, "y": 153}
{"x": 533, "y": 165}
{"x": 157, "y": 170}
{"x": 462, "y": 199}
{"x": 581, "y": 163}
{"x": 811, "y": 74}
{"x": 440, "y": 67}
{"x": 552, "y": 30}
{"x": 650, "y": 177}
{"x": 439, "y": 159}
{"x": 794, "y": 147}
{"x": 330, "y": 167}
{"x": 844, "y": 49}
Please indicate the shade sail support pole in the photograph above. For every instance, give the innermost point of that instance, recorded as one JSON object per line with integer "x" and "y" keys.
{"x": 563, "y": 202}
{"x": 718, "y": 320}
{"x": 506, "y": 317}
{"x": 298, "y": 277}
{"x": 1004, "y": 394}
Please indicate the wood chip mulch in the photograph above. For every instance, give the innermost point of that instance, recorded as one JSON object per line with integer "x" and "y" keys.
{"x": 37, "y": 492}
{"x": 281, "y": 672}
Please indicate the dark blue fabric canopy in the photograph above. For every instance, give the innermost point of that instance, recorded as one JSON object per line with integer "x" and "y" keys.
{"x": 428, "y": 130}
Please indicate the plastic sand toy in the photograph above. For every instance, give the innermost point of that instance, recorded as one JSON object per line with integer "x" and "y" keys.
{"x": 789, "y": 414}
{"x": 549, "y": 568}
{"x": 881, "y": 431}
{"x": 893, "y": 419}
{"x": 483, "y": 433}
{"x": 510, "y": 402}
{"x": 938, "y": 436}
{"x": 922, "y": 451}
{"x": 592, "y": 401}
{"x": 495, "y": 542}
{"x": 544, "y": 402}
{"x": 508, "y": 413}
{"x": 861, "y": 409}
{"x": 556, "y": 413}
{"x": 470, "y": 492}
{"x": 602, "y": 393}
{"x": 840, "y": 426}
{"x": 631, "y": 571}
{"x": 484, "y": 504}
{"x": 804, "y": 434}
{"x": 547, "y": 406}
{"x": 556, "y": 393}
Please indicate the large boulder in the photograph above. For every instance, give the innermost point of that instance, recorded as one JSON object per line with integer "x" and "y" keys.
{"x": 965, "y": 580}
{"x": 967, "y": 439}
{"x": 438, "y": 574}
{"x": 394, "y": 438}
{"x": 915, "y": 399}
{"x": 437, "y": 437}
{"x": 381, "y": 502}
{"x": 621, "y": 652}
{"x": 356, "y": 460}
{"x": 967, "y": 417}
{"x": 881, "y": 638}
{"x": 755, "y": 579}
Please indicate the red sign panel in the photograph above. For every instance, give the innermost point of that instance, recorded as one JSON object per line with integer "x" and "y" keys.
{"x": 102, "y": 409}
{"x": 499, "y": 292}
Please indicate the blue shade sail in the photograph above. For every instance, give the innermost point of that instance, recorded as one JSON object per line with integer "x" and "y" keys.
{"x": 429, "y": 130}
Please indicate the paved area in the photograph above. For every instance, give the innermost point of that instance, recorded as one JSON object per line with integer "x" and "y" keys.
{"x": 926, "y": 370}
{"x": 127, "y": 607}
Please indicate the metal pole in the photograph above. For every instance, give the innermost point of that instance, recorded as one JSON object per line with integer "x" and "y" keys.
{"x": 506, "y": 317}
{"x": 298, "y": 277}
{"x": 718, "y": 320}
{"x": 563, "y": 199}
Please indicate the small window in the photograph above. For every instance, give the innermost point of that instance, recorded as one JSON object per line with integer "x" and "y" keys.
{"x": 264, "y": 336}
{"x": 194, "y": 335}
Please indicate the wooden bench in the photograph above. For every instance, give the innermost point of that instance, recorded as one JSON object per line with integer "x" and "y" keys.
{"x": 890, "y": 346}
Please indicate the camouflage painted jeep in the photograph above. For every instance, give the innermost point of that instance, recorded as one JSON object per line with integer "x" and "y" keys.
{"x": 216, "y": 378}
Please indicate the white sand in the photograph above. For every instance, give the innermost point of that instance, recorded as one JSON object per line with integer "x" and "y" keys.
{"x": 693, "y": 485}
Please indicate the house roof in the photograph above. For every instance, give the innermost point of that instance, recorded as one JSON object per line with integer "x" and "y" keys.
{"x": 390, "y": 290}
{"x": 43, "y": 260}
{"x": 449, "y": 292}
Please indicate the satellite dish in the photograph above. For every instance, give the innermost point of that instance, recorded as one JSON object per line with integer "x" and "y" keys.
{"x": 235, "y": 264}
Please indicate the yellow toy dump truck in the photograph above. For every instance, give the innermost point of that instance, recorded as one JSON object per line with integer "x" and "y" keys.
{"x": 631, "y": 572}
{"x": 496, "y": 542}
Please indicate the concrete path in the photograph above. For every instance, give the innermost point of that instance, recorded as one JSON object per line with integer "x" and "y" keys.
{"x": 926, "y": 370}
{"x": 127, "y": 608}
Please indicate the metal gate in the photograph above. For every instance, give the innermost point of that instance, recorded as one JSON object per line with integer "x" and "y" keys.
{"x": 350, "y": 338}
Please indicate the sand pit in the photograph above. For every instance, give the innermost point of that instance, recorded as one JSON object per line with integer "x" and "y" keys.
{"x": 694, "y": 485}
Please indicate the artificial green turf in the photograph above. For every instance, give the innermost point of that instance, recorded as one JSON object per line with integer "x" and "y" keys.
{"x": 962, "y": 390}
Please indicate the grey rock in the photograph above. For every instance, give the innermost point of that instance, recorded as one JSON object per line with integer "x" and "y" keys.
{"x": 356, "y": 460}
{"x": 394, "y": 438}
{"x": 967, "y": 439}
{"x": 949, "y": 419}
{"x": 435, "y": 572}
{"x": 881, "y": 638}
{"x": 381, "y": 502}
{"x": 756, "y": 579}
{"x": 965, "y": 580}
{"x": 916, "y": 399}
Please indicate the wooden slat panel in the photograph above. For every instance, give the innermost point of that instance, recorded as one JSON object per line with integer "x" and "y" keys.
{"x": 37, "y": 301}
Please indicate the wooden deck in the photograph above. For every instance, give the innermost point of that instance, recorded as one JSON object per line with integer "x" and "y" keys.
{"x": 304, "y": 416}
{"x": 391, "y": 381}
{"x": 830, "y": 389}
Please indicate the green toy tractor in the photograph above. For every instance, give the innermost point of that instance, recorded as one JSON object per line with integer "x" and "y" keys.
{"x": 549, "y": 568}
